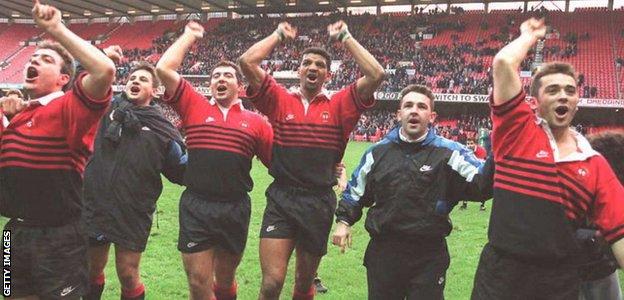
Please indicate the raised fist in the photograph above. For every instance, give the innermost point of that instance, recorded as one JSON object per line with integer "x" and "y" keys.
{"x": 289, "y": 32}
{"x": 336, "y": 29}
{"x": 46, "y": 17}
{"x": 114, "y": 52}
{"x": 534, "y": 28}
{"x": 195, "y": 29}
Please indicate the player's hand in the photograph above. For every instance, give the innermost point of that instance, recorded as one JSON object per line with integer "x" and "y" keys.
{"x": 340, "y": 174}
{"x": 534, "y": 28}
{"x": 12, "y": 104}
{"x": 195, "y": 29}
{"x": 289, "y": 32}
{"x": 46, "y": 17}
{"x": 336, "y": 29}
{"x": 114, "y": 52}
{"x": 342, "y": 236}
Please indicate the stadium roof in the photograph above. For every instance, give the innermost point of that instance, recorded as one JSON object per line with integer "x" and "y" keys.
{"x": 114, "y": 8}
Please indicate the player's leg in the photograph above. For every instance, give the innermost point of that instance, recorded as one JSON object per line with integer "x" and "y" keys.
{"x": 307, "y": 265}
{"x": 98, "y": 257}
{"x": 274, "y": 256}
{"x": 199, "y": 272}
{"x": 231, "y": 245}
{"x": 127, "y": 263}
{"x": 225, "y": 264}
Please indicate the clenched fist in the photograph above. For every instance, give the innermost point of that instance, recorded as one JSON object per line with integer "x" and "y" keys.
{"x": 46, "y": 17}
{"x": 195, "y": 29}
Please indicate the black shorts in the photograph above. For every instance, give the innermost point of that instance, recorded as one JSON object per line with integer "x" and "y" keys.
{"x": 131, "y": 234}
{"x": 205, "y": 224}
{"x": 50, "y": 262}
{"x": 300, "y": 214}
{"x": 399, "y": 269}
{"x": 502, "y": 276}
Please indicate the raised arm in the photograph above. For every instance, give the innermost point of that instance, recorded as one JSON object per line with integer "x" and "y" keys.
{"x": 369, "y": 66}
{"x": 167, "y": 66}
{"x": 250, "y": 60}
{"x": 101, "y": 70}
{"x": 505, "y": 66}
{"x": 354, "y": 198}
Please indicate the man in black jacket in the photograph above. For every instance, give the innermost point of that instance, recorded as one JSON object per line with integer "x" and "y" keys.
{"x": 134, "y": 144}
{"x": 412, "y": 179}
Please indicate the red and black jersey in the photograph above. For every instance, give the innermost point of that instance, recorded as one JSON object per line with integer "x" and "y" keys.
{"x": 220, "y": 147}
{"x": 539, "y": 198}
{"x": 309, "y": 141}
{"x": 43, "y": 153}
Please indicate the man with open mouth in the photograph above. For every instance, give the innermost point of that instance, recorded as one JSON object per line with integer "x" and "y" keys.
{"x": 411, "y": 181}
{"x": 134, "y": 145}
{"x": 311, "y": 132}
{"x": 548, "y": 182}
{"x": 43, "y": 154}
{"x": 222, "y": 138}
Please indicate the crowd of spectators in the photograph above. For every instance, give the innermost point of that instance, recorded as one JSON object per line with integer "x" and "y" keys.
{"x": 455, "y": 67}
{"x": 458, "y": 67}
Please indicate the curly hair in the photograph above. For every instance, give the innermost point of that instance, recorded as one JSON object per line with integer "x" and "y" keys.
{"x": 611, "y": 145}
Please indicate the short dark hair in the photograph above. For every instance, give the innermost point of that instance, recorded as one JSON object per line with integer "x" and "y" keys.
{"x": 548, "y": 69}
{"x": 319, "y": 51}
{"x": 417, "y": 88}
{"x": 611, "y": 145}
{"x": 68, "y": 61}
{"x": 233, "y": 65}
{"x": 143, "y": 65}
{"x": 471, "y": 139}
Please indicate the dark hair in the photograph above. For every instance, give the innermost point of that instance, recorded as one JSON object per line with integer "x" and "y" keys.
{"x": 611, "y": 145}
{"x": 143, "y": 65}
{"x": 471, "y": 139}
{"x": 417, "y": 88}
{"x": 319, "y": 51}
{"x": 233, "y": 65}
{"x": 548, "y": 69}
{"x": 68, "y": 61}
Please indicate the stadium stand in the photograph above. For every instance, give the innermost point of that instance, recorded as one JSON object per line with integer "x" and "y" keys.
{"x": 450, "y": 53}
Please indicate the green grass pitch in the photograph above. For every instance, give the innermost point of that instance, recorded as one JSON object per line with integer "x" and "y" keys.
{"x": 343, "y": 274}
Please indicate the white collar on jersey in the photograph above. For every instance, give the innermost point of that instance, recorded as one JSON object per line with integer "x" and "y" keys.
{"x": 225, "y": 110}
{"x": 297, "y": 90}
{"x": 48, "y": 98}
{"x": 585, "y": 149}
{"x": 239, "y": 102}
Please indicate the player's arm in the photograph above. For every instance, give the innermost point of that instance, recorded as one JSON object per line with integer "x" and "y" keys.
{"x": 608, "y": 208}
{"x": 481, "y": 187}
{"x": 507, "y": 84}
{"x": 265, "y": 144}
{"x": 101, "y": 70}
{"x": 470, "y": 178}
{"x": 114, "y": 52}
{"x": 354, "y": 197}
{"x": 167, "y": 66}
{"x": 340, "y": 172}
{"x": 175, "y": 163}
{"x": 369, "y": 66}
{"x": 252, "y": 58}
